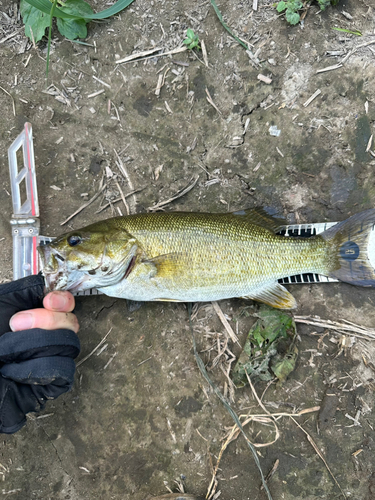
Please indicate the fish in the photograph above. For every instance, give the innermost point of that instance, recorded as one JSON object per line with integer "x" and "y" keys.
{"x": 199, "y": 257}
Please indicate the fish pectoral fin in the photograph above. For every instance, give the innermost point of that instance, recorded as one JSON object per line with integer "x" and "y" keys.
{"x": 262, "y": 216}
{"x": 275, "y": 295}
{"x": 167, "y": 265}
{"x": 142, "y": 270}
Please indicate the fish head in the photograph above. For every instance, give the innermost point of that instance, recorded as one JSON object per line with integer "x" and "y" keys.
{"x": 88, "y": 258}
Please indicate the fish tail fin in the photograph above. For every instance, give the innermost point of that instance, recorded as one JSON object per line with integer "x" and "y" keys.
{"x": 353, "y": 245}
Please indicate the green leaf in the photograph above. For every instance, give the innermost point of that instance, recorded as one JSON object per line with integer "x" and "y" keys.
{"x": 34, "y": 21}
{"x": 220, "y": 17}
{"x": 283, "y": 366}
{"x": 358, "y": 33}
{"x": 79, "y": 8}
{"x": 72, "y": 28}
{"x": 281, "y": 6}
{"x": 45, "y": 6}
{"x": 192, "y": 40}
{"x": 269, "y": 348}
{"x": 324, "y": 3}
{"x": 75, "y": 28}
{"x": 292, "y": 17}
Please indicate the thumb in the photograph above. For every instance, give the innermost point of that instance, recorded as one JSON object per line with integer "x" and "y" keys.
{"x": 25, "y": 293}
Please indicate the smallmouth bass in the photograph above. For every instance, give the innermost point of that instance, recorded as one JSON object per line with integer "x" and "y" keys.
{"x": 199, "y": 257}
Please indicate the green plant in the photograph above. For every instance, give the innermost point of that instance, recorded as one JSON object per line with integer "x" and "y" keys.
{"x": 191, "y": 40}
{"x": 291, "y": 8}
{"x": 72, "y": 17}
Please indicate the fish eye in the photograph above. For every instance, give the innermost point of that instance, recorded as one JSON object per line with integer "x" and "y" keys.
{"x": 74, "y": 240}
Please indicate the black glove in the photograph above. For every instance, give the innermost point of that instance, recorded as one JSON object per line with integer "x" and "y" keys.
{"x": 36, "y": 365}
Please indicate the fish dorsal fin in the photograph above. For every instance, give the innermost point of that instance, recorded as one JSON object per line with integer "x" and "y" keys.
{"x": 262, "y": 216}
{"x": 275, "y": 295}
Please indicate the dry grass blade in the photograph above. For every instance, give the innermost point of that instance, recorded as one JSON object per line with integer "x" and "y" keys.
{"x": 225, "y": 322}
{"x": 139, "y": 55}
{"x": 329, "y": 68}
{"x": 123, "y": 198}
{"x": 210, "y": 100}
{"x": 204, "y": 53}
{"x": 267, "y": 418}
{"x": 124, "y": 172}
{"x": 310, "y": 99}
{"x": 150, "y": 53}
{"x": 179, "y": 193}
{"x": 272, "y": 471}
{"x": 255, "y": 394}
{"x": 346, "y": 328}
{"x": 312, "y": 442}
{"x": 94, "y": 350}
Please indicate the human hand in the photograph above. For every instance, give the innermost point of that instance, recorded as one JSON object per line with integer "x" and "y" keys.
{"x": 56, "y": 313}
{"x": 38, "y": 353}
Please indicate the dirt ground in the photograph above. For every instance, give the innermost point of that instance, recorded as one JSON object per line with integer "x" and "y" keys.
{"x": 141, "y": 419}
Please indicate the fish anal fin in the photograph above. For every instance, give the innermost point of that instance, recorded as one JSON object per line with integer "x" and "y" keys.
{"x": 262, "y": 216}
{"x": 275, "y": 295}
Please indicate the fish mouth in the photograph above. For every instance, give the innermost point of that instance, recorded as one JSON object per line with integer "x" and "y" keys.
{"x": 55, "y": 272}
{"x": 58, "y": 275}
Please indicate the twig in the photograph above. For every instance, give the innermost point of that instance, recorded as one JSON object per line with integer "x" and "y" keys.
{"x": 138, "y": 55}
{"x": 179, "y": 193}
{"x": 346, "y": 328}
{"x": 146, "y": 54}
{"x": 94, "y": 94}
{"x": 95, "y": 349}
{"x": 329, "y": 68}
{"x": 315, "y": 94}
{"x": 10, "y": 36}
{"x": 101, "y": 81}
{"x": 344, "y": 59}
{"x": 225, "y": 323}
{"x": 84, "y": 205}
{"x": 264, "y": 79}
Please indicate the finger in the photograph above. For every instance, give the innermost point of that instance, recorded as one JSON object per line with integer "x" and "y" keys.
{"x": 42, "y": 318}
{"x": 59, "y": 301}
{"x": 20, "y": 295}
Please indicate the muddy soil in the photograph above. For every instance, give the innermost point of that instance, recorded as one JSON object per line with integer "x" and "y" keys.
{"x": 141, "y": 418}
